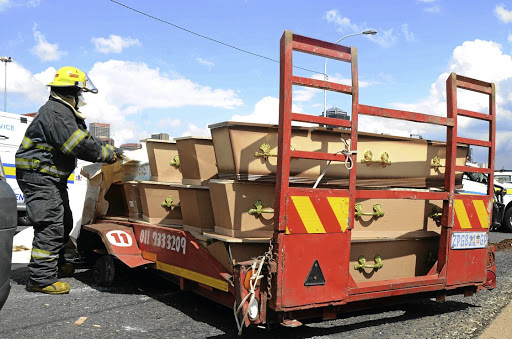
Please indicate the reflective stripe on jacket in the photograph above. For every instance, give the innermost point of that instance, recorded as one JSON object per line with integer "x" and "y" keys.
{"x": 55, "y": 139}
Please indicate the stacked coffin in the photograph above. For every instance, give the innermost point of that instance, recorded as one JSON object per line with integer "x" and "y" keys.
{"x": 160, "y": 196}
{"x": 224, "y": 188}
{"x": 177, "y": 193}
{"x": 243, "y": 196}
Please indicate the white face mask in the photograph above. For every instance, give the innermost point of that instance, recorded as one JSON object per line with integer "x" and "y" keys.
{"x": 81, "y": 101}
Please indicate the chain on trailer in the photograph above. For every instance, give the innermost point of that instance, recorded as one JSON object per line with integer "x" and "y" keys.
{"x": 256, "y": 276}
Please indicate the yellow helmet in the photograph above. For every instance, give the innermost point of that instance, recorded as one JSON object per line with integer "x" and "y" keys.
{"x": 73, "y": 77}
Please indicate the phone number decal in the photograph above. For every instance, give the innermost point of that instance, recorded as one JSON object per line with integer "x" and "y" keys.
{"x": 163, "y": 240}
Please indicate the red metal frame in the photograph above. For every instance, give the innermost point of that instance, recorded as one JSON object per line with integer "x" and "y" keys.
{"x": 294, "y": 252}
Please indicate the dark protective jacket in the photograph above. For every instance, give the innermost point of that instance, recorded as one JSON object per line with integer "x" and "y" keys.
{"x": 55, "y": 139}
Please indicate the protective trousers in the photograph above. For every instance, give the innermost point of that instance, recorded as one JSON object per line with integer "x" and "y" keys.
{"x": 48, "y": 210}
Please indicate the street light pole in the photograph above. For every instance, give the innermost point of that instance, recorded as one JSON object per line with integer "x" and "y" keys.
{"x": 5, "y": 60}
{"x": 369, "y": 32}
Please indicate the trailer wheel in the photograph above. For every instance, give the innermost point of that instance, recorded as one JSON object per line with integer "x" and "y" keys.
{"x": 104, "y": 271}
{"x": 507, "y": 220}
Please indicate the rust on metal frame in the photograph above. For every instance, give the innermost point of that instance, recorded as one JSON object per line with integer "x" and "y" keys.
{"x": 320, "y": 120}
{"x": 405, "y": 115}
{"x": 321, "y": 84}
{"x": 321, "y": 48}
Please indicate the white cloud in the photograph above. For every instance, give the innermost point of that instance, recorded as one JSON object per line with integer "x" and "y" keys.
{"x": 134, "y": 86}
{"x": 124, "y": 88}
{"x": 266, "y": 111}
{"x": 409, "y": 36}
{"x": 338, "y": 78}
{"x": 433, "y": 9}
{"x": 44, "y": 50}
{"x": 503, "y": 14}
{"x": 385, "y": 38}
{"x": 483, "y": 60}
{"x": 305, "y": 94}
{"x": 4, "y": 4}
{"x": 343, "y": 25}
{"x": 197, "y": 131}
{"x": 169, "y": 122}
{"x": 127, "y": 88}
{"x": 205, "y": 62}
{"x": 114, "y": 44}
{"x": 21, "y": 81}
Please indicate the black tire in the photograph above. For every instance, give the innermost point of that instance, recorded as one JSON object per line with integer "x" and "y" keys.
{"x": 104, "y": 271}
{"x": 507, "y": 221}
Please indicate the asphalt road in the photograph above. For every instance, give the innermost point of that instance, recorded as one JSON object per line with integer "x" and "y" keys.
{"x": 143, "y": 305}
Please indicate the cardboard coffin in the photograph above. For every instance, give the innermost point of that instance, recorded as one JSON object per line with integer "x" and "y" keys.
{"x": 232, "y": 200}
{"x": 240, "y": 148}
{"x": 161, "y": 202}
{"x": 196, "y": 209}
{"x": 402, "y": 219}
{"x": 197, "y": 160}
{"x": 131, "y": 199}
{"x": 400, "y": 258}
{"x": 163, "y": 160}
{"x": 124, "y": 200}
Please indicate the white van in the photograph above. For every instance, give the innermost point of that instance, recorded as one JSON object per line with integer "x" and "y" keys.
{"x": 12, "y": 131}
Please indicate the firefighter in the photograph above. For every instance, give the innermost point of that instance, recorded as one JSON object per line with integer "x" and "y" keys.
{"x": 45, "y": 159}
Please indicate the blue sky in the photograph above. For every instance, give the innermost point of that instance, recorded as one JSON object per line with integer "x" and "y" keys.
{"x": 153, "y": 77}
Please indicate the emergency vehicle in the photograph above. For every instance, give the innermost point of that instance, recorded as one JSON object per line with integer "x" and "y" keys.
{"x": 12, "y": 130}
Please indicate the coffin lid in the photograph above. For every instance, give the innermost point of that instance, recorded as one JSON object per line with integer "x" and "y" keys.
{"x": 158, "y": 140}
{"x": 193, "y": 137}
{"x": 241, "y": 182}
{"x": 173, "y": 184}
{"x": 239, "y": 125}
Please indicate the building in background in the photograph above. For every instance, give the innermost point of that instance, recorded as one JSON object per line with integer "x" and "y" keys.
{"x": 160, "y": 136}
{"x": 101, "y": 131}
{"x": 335, "y": 113}
{"x": 130, "y": 146}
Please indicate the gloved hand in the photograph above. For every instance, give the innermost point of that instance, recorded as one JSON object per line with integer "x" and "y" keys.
{"x": 113, "y": 159}
{"x": 118, "y": 153}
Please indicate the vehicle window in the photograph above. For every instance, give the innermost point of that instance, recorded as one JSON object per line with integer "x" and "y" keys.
{"x": 477, "y": 177}
{"x": 503, "y": 178}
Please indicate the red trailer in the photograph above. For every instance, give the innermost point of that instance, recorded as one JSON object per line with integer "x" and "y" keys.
{"x": 307, "y": 272}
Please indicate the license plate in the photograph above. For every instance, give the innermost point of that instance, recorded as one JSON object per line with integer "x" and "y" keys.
{"x": 467, "y": 240}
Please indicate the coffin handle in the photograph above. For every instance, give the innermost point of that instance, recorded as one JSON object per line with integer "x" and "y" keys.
{"x": 265, "y": 151}
{"x": 175, "y": 161}
{"x": 368, "y": 159}
{"x": 168, "y": 202}
{"x": 259, "y": 209}
{"x": 436, "y": 163}
{"x": 361, "y": 263}
{"x": 377, "y": 211}
{"x": 437, "y": 213}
